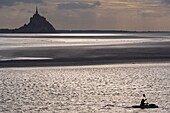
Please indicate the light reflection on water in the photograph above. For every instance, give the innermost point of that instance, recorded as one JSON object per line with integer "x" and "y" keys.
{"x": 63, "y": 34}
{"x": 87, "y": 89}
{"x": 113, "y": 35}
{"x": 24, "y": 58}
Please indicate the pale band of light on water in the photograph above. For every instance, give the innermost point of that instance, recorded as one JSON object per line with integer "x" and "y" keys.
{"x": 166, "y": 35}
{"x": 24, "y": 58}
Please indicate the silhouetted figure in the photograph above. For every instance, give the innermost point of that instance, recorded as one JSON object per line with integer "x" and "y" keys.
{"x": 144, "y": 105}
{"x": 143, "y": 101}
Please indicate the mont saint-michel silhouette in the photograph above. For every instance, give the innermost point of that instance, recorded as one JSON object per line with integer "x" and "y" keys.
{"x": 37, "y": 24}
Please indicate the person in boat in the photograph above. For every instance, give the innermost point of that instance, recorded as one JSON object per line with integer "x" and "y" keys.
{"x": 144, "y": 104}
{"x": 143, "y": 101}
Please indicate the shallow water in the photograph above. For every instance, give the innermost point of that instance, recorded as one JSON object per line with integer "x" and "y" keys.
{"x": 88, "y": 89}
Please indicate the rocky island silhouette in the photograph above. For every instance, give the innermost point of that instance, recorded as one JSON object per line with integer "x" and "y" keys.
{"x": 37, "y": 24}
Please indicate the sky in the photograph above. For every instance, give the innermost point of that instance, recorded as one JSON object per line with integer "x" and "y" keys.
{"x": 138, "y": 15}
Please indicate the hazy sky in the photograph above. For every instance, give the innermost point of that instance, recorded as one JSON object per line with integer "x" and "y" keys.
{"x": 89, "y": 14}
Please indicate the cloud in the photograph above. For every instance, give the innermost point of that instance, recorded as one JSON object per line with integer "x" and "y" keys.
{"x": 166, "y": 1}
{"x": 152, "y": 13}
{"x": 78, "y": 5}
{"x": 13, "y": 2}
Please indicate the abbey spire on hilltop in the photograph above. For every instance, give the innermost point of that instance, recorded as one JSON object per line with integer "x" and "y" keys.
{"x": 36, "y": 10}
{"x": 37, "y": 24}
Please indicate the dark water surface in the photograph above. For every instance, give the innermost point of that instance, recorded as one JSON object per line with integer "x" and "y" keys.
{"x": 27, "y": 50}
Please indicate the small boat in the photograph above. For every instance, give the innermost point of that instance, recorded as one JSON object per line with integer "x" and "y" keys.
{"x": 146, "y": 106}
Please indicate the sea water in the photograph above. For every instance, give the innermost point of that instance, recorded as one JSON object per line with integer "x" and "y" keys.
{"x": 89, "y": 89}
{"x": 12, "y": 45}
